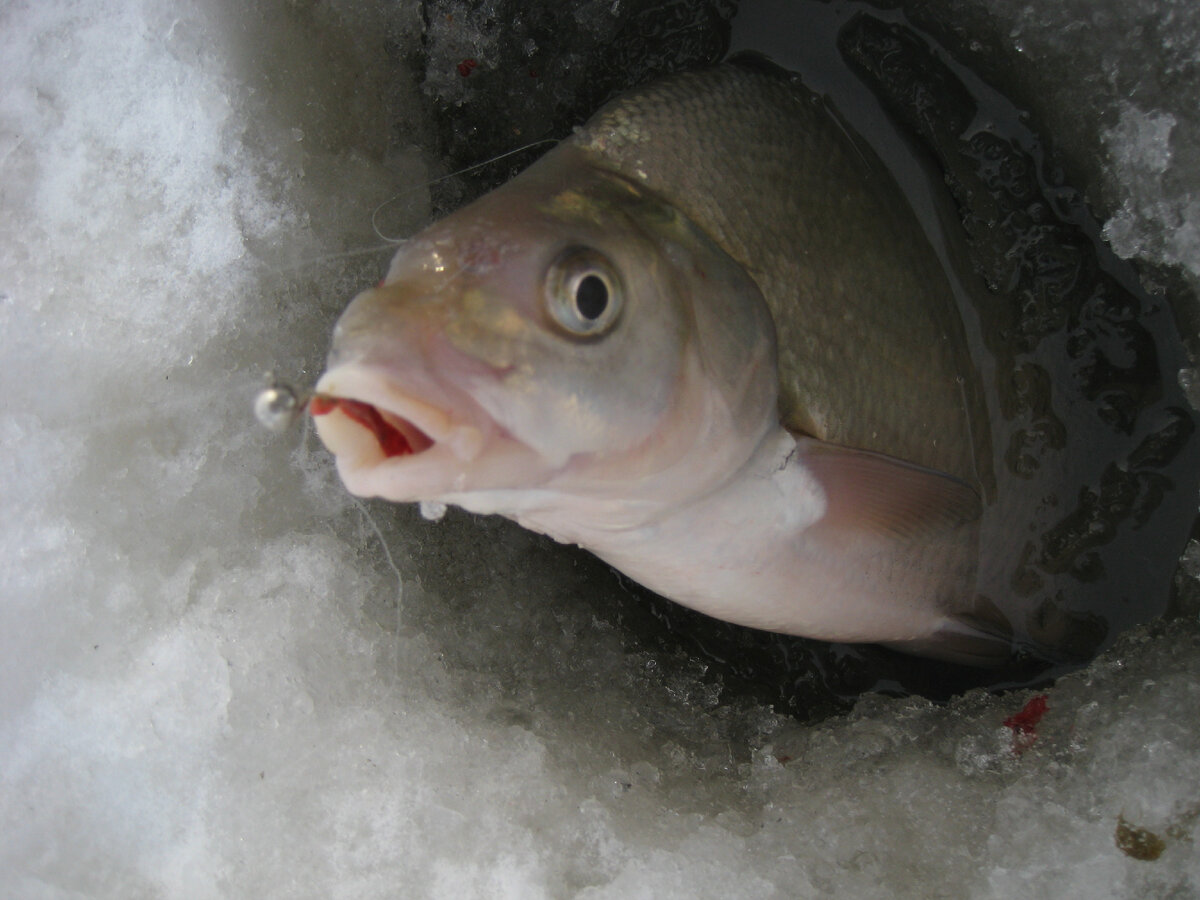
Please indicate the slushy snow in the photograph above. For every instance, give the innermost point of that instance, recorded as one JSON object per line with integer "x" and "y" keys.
{"x": 221, "y": 676}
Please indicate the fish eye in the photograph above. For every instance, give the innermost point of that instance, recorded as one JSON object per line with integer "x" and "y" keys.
{"x": 583, "y": 292}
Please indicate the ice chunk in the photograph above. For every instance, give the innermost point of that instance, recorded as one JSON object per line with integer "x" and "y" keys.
{"x": 432, "y": 510}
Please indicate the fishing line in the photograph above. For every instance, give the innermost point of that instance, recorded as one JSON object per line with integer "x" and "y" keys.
{"x": 455, "y": 174}
{"x": 326, "y": 257}
{"x": 279, "y": 405}
{"x": 387, "y": 553}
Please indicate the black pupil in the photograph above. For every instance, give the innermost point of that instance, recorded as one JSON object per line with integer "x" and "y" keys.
{"x": 591, "y": 297}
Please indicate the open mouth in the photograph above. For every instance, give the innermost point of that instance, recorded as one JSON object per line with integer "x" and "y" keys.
{"x": 396, "y": 436}
{"x": 411, "y": 437}
{"x": 392, "y": 439}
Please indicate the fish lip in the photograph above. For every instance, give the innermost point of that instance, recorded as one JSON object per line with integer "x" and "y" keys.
{"x": 464, "y": 440}
{"x": 458, "y": 432}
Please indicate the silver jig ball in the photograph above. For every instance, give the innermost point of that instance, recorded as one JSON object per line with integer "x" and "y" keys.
{"x": 278, "y": 406}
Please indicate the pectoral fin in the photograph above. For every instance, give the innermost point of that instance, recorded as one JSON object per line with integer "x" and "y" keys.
{"x": 912, "y": 533}
{"x": 883, "y": 496}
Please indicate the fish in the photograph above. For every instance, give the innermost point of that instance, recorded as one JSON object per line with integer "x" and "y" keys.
{"x": 705, "y": 338}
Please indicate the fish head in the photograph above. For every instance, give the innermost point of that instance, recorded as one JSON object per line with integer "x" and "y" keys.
{"x": 567, "y": 335}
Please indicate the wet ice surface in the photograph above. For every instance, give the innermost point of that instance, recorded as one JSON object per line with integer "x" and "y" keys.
{"x": 1126, "y": 116}
{"x": 208, "y": 685}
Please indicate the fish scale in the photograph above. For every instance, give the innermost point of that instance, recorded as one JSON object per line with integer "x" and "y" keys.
{"x": 871, "y": 349}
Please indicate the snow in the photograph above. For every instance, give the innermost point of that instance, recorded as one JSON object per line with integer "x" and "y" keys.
{"x": 221, "y": 676}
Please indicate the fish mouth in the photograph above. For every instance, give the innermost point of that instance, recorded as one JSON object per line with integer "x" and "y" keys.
{"x": 394, "y": 435}
{"x": 388, "y": 442}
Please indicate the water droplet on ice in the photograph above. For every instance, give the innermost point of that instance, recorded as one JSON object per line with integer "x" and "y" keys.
{"x": 432, "y": 510}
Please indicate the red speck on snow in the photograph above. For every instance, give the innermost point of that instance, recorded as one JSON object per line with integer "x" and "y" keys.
{"x": 1024, "y": 724}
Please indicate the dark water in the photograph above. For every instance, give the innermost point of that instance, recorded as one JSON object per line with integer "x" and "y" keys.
{"x": 542, "y": 68}
{"x": 1095, "y": 457}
